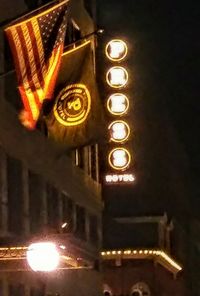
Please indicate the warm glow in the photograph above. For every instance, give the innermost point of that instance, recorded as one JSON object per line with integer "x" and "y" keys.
{"x": 165, "y": 259}
{"x": 116, "y": 50}
{"x": 119, "y": 158}
{"x": 64, "y": 225}
{"x": 120, "y": 178}
{"x": 117, "y": 104}
{"x": 119, "y": 131}
{"x": 117, "y": 77}
{"x": 43, "y": 256}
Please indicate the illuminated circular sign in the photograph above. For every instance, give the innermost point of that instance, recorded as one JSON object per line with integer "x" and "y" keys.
{"x": 119, "y": 131}
{"x": 119, "y": 158}
{"x": 72, "y": 105}
{"x": 117, "y": 104}
{"x": 117, "y": 77}
{"x": 116, "y": 50}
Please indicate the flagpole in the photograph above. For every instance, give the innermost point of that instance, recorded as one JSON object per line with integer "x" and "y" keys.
{"x": 94, "y": 33}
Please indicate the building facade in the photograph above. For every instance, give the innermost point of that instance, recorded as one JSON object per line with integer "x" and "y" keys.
{"x": 140, "y": 260}
{"x": 163, "y": 177}
{"x": 46, "y": 192}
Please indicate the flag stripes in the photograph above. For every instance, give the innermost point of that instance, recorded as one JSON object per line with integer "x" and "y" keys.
{"x": 37, "y": 71}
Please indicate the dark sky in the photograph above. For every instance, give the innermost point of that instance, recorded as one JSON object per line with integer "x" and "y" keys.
{"x": 164, "y": 56}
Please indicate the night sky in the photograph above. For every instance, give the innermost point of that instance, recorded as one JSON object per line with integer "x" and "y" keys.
{"x": 164, "y": 59}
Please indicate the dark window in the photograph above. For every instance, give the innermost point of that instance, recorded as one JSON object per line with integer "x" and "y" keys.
{"x": 93, "y": 229}
{"x": 11, "y": 92}
{"x": 16, "y": 290}
{"x": 136, "y": 293}
{"x": 107, "y": 293}
{"x": 93, "y": 163}
{"x": 81, "y": 158}
{"x": 35, "y": 202}
{"x": 8, "y": 59}
{"x": 90, "y": 6}
{"x": 72, "y": 34}
{"x": 67, "y": 213}
{"x": 38, "y": 291}
{"x": 53, "y": 208}
{"x": 15, "y": 195}
{"x": 1, "y": 287}
{"x": 31, "y": 4}
{"x": 80, "y": 222}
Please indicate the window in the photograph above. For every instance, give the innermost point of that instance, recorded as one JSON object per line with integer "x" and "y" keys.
{"x": 15, "y": 196}
{"x": 73, "y": 33}
{"x": 1, "y": 287}
{"x": 80, "y": 222}
{"x": 53, "y": 209}
{"x": 16, "y": 290}
{"x": 93, "y": 229}
{"x": 94, "y": 162}
{"x": 31, "y": 4}
{"x": 35, "y": 202}
{"x": 81, "y": 157}
{"x": 107, "y": 291}
{"x": 140, "y": 289}
{"x": 38, "y": 291}
{"x": 67, "y": 213}
{"x": 10, "y": 80}
{"x": 90, "y": 6}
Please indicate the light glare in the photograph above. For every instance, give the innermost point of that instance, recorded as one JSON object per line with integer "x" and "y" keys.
{"x": 43, "y": 256}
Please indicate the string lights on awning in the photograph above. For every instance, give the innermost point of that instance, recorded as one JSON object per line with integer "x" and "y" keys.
{"x": 159, "y": 256}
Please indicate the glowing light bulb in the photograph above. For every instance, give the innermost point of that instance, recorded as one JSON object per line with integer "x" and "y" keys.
{"x": 43, "y": 256}
{"x": 117, "y": 77}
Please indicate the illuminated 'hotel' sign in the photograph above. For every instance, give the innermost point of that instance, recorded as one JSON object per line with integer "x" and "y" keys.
{"x": 120, "y": 178}
{"x": 119, "y": 157}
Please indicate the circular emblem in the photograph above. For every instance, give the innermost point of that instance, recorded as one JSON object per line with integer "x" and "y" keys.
{"x": 72, "y": 105}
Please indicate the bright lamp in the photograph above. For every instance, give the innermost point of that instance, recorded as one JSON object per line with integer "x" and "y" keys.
{"x": 43, "y": 256}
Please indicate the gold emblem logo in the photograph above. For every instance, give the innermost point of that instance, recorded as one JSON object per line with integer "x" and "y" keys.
{"x": 72, "y": 105}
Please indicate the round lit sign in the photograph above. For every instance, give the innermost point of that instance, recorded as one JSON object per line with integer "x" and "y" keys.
{"x": 119, "y": 158}
{"x": 116, "y": 50}
{"x": 117, "y": 77}
{"x": 119, "y": 131}
{"x": 117, "y": 104}
{"x": 72, "y": 105}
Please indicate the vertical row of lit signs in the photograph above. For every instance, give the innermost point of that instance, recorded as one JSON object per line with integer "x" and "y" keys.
{"x": 119, "y": 157}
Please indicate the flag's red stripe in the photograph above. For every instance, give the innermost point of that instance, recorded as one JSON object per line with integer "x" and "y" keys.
{"x": 36, "y": 54}
{"x": 28, "y": 67}
{"x": 18, "y": 71}
{"x": 15, "y": 55}
{"x": 53, "y": 78}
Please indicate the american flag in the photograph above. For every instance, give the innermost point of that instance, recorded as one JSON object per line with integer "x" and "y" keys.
{"x": 37, "y": 44}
